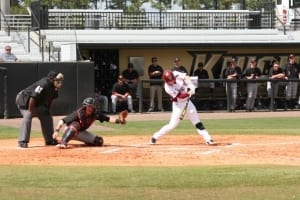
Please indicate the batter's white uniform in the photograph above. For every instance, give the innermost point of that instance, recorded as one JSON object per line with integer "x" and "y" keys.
{"x": 183, "y": 84}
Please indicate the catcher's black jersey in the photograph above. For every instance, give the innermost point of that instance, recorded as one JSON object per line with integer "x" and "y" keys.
{"x": 84, "y": 120}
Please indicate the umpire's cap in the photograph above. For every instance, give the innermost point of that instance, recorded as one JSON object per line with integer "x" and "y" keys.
{"x": 55, "y": 76}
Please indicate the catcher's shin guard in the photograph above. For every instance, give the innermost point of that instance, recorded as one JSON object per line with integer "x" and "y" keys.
{"x": 67, "y": 136}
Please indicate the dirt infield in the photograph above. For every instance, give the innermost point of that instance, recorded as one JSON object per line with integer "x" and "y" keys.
{"x": 169, "y": 151}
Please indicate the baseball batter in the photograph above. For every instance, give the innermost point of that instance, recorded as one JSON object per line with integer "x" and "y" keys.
{"x": 180, "y": 88}
{"x": 80, "y": 120}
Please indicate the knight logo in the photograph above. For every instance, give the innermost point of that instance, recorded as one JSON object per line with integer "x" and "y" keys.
{"x": 216, "y": 62}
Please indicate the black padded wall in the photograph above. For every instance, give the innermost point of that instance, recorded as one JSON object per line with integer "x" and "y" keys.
{"x": 78, "y": 84}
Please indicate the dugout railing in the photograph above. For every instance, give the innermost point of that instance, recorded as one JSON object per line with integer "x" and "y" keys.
{"x": 218, "y": 93}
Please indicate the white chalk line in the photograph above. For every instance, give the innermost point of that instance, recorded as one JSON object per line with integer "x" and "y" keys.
{"x": 114, "y": 150}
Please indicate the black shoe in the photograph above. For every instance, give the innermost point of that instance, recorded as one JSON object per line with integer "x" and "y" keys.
{"x": 153, "y": 141}
{"x": 23, "y": 144}
{"x": 53, "y": 142}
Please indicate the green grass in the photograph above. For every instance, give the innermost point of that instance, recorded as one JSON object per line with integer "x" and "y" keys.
{"x": 239, "y": 182}
{"x": 261, "y": 126}
{"x": 160, "y": 183}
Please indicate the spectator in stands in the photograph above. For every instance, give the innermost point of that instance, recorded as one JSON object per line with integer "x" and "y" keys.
{"x": 121, "y": 94}
{"x": 251, "y": 73}
{"x": 8, "y": 56}
{"x": 232, "y": 73}
{"x": 178, "y": 67}
{"x": 292, "y": 72}
{"x": 131, "y": 77}
{"x": 101, "y": 101}
{"x": 155, "y": 72}
{"x": 201, "y": 73}
{"x": 275, "y": 73}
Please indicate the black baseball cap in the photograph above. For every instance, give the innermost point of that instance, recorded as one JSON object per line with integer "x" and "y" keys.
{"x": 177, "y": 59}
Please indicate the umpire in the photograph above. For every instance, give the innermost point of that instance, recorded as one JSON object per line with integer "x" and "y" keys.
{"x": 35, "y": 101}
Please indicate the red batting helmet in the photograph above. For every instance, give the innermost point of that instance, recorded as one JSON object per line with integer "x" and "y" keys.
{"x": 168, "y": 76}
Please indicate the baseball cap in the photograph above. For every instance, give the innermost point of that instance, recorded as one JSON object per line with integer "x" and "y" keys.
{"x": 177, "y": 59}
{"x": 291, "y": 56}
{"x": 233, "y": 60}
{"x": 253, "y": 60}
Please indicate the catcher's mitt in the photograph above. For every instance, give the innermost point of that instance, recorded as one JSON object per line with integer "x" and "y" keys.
{"x": 122, "y": 116}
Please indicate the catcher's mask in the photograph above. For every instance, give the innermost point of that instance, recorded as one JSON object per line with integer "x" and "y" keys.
{"x": 89, "y": 102}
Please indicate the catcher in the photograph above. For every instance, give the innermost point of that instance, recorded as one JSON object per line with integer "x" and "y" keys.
{"x": 77, "y": 123}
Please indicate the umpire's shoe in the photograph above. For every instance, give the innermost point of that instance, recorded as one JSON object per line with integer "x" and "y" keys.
{"x": 53, "y": 142}
{"x": 23, "y": 144}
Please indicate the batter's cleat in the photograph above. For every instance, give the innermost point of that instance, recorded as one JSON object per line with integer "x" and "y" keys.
{"x": 210, "y": 142}
{"x": 23, "y": 144}
{"x": 153, "y": 141}
{"x": 62, "y": 146}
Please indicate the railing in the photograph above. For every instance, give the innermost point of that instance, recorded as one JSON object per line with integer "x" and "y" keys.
{"x": 224, "y": 97}
{"x": 187, "y": 19}
{"x": 18, "y": 22}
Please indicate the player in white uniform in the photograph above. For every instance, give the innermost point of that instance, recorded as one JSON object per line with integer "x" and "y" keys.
{"x": 179, "y": 86}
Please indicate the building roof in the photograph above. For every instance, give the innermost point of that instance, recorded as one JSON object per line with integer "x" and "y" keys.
{"x": 174, "y": 37}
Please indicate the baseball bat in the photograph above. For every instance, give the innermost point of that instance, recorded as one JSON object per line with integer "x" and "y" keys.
{"x": 184, "y": 109}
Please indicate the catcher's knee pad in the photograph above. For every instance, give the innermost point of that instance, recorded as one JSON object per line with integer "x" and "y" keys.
{"x": 98, "y": 141}
{"x": 200, "y": 126}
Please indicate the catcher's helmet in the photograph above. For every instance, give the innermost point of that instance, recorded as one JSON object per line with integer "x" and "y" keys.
{"x": 89, "y": 102}
{"x": 168, "y": 76}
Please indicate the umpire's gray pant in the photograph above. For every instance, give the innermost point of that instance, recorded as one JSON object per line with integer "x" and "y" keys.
{"x": 46, "y": 120}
